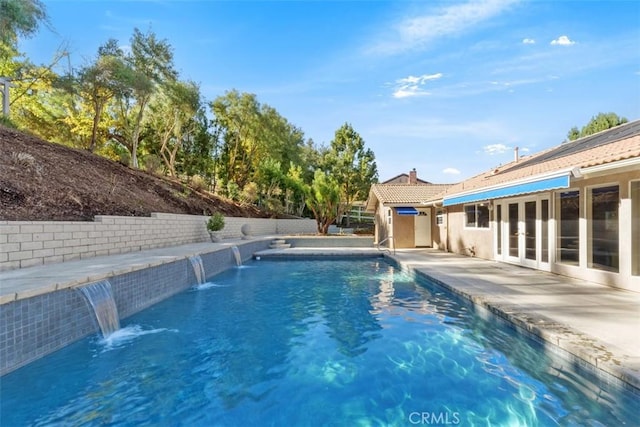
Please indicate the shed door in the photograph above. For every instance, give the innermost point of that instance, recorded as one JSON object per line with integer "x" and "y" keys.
{"x": 423, "y": 228}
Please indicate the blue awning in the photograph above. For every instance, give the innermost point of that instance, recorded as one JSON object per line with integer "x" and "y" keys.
{"x": 406, "y": 211}
{"x": 507, "y": 190}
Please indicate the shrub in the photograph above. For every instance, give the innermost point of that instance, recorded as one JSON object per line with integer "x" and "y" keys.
{"x": 5, "y": 121}
{"x": 153, "y": 164}
{"x": 250, "y": 193}
{"x": 124, "y": 158}
{"x": 198, "y": 183}
{"x": 215, "y": 222}
{"x": 233, "y": 191}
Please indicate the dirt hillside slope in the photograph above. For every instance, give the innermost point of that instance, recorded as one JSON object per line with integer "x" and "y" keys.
{"x": 44, "y": 181}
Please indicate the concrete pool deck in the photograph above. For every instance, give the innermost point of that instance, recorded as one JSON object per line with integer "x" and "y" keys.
{"x": 597, "y": 324}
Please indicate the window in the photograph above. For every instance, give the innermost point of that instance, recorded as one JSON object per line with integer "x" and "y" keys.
{"x": 477, "y": 216}
{"x": 568, "y": 208}
{"x": 635, "y": 228}
{"x": 440, "y": 217}
{"x": 603, "y": 230}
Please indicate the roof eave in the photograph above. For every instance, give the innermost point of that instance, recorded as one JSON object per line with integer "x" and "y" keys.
{"x": 630, "y": 164}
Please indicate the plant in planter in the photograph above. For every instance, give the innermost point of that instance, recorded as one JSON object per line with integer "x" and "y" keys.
{"x": 215, "y": 223}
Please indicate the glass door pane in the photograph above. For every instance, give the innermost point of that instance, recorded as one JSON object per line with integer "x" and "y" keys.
{"x": 635, "y": 228}
{"x": 544, "y": 220}
{"x": 513, "y": 229}
{"x": 568, "y": 208}
{"x": 499, "y": 227}
{"x": 604, "y": 228}
{"x": 530, "y": 229}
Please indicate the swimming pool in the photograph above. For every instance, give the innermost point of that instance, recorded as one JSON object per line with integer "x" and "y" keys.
{"x": 320, "y": 342}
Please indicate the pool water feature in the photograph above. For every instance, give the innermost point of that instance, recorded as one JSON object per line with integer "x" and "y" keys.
{"x": 355, "y": 342}
{"x": 236, "y": 255}
{"x": 99, "y": 297}
{"x": 198, "y": 268}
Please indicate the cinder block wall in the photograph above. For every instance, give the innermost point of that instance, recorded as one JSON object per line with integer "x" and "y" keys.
{"x": 28, "y": 243}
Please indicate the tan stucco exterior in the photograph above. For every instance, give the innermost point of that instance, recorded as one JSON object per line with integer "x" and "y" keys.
{"x": 482, "y": 242}
{"x": 468, "y": 241}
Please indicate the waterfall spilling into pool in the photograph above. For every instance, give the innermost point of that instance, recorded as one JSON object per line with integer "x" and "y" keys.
{"x": 236, "y": 254}
{"x": 198, "y": 268}
{"x": 100, "y": 297}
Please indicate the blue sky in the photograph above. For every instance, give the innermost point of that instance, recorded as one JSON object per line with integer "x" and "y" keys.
{"x": 446, "y": 87}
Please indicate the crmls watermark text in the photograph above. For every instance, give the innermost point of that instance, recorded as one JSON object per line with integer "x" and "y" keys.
{"x": 435, "y": 418}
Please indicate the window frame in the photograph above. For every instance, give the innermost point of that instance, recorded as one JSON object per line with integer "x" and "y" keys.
{"x": 474, "y": 225}
{"x": 609, "y": 254}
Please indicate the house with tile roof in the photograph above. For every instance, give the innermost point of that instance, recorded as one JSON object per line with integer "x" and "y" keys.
{"x": 573, "y": 209}
{"x": 403, "y": 212}
{"x": 406, "y": 178}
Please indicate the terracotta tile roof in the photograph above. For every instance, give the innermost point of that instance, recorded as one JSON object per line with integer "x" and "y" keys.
{"x": 566, "y": 156}
{"x": 404, "y": 194}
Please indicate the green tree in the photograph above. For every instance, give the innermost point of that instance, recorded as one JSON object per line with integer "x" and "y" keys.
{"x": 251, "y": 133}
{"x": 598, "y": 123}
{"x": 89, "y": 92}
{"x": 37, "y": 102}
{"x": 101, "y": 82}
{"x": 237, "y": 116}
{"x": 322, "y": 198}
{"x": 294, "y": 195}
{"x": 170, "y": 120}
{"x": 18, "y": 18}
{"x": 352, "y": 165}
{"x": 151, "y": 62}
{"x": 199, "y": 151}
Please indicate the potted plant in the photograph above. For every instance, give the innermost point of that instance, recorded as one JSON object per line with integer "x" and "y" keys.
{"x": 215, "y": 223}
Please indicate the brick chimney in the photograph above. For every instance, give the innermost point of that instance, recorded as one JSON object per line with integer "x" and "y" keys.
{"x": 413, "y": 176}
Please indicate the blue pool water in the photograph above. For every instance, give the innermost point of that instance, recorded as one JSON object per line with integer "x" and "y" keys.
{"x": 317, "y": 343}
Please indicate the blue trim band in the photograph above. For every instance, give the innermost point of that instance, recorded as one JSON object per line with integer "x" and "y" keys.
{"x": 510, "y": 190}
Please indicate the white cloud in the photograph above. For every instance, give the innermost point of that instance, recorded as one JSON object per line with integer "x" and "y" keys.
{"x": 413, "y": 85}
{"x": 492, "y": 149}
{"x": 563, "y": 41}
{"x": 451, "y": 171}
{"x": 528, "y": 41}
{"x": 417, "y": 32}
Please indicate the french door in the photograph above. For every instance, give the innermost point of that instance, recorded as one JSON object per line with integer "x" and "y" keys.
{"x": 524, "y": 232}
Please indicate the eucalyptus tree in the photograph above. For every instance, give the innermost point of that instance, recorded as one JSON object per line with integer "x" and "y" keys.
{"x": 91, "y": 90}
{"x": 170, "y": 119}
{"x": 352, "y": 165}
{"x": 151, "y": 63}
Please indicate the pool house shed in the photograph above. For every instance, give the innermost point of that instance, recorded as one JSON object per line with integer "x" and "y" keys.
{"x": 403, "y": 211}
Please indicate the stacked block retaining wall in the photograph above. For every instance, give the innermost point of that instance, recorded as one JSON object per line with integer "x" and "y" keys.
{"x": 28, "y": 243}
